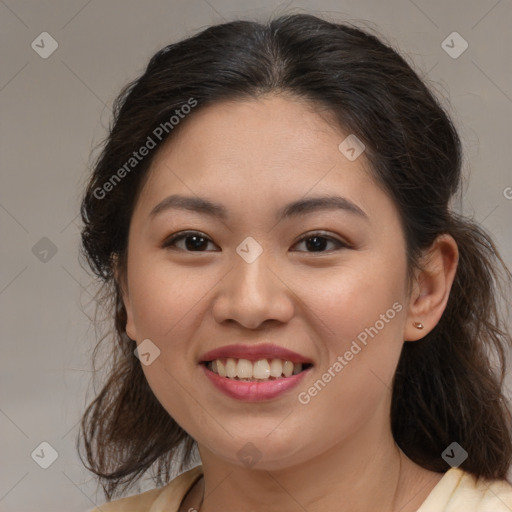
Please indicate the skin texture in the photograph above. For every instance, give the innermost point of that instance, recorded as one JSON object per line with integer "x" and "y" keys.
{"x": 337, "y": 451}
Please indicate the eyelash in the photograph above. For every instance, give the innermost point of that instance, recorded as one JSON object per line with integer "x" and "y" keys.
{"x": 168, "y": 243}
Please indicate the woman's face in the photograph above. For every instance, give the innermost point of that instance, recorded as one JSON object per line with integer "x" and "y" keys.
{"x": 257, "y": 277}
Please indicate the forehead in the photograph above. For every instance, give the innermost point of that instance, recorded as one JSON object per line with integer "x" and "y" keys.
{"x": 253, "y": 151}
{"x": 265, "y": 133}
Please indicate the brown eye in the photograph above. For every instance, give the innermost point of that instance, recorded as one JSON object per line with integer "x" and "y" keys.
{"x": 194, "y": 241}
{"x": 316, "y": 242}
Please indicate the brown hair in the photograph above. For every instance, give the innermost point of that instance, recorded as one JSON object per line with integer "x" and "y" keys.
{"x": 445, "y": 388}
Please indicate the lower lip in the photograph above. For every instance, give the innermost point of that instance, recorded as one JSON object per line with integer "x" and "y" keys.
{"x": 254, "y": 391}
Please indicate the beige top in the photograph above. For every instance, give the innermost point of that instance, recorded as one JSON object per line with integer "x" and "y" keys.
{"x": 457, "y": 491}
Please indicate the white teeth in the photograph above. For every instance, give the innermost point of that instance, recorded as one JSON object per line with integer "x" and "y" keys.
{"x": 288, "y": 368}
{"x": 221, "y": 369}
{"x": 244, "y": 369}
{"x": 263, "y": 369}
{"x": 276, "y": 368}
{"x": 230, "y": 368}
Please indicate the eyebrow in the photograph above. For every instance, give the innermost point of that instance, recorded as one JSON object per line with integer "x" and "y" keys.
{"x": 297, "y": 208}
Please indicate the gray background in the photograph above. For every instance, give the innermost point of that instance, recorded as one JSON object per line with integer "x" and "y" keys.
{"x": 55, "y": 110}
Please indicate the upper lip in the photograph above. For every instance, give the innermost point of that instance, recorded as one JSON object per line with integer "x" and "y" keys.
{"x": 254, "y": 353}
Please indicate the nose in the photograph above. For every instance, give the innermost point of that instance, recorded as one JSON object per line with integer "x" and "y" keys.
{"x": 254, "y": 293}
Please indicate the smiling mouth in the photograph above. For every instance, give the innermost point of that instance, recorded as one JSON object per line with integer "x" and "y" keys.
{"x": 255, "y": 371}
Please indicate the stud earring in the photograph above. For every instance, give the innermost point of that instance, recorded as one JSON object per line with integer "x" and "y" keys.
{"x": 418, "y": 325}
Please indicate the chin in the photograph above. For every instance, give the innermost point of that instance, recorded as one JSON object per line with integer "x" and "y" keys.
{"x": 261, "y": 452}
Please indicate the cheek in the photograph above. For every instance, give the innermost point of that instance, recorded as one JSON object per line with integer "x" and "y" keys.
{"x": 357, "y": 299}
{"x": 358, "y": 313}
{"x": 164, "y": 297}
{"x": 167, "y": 309}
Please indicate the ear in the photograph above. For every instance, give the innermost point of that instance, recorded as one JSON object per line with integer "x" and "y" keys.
{"x": 120, "y": 278}
{"x": 431, "y": 287}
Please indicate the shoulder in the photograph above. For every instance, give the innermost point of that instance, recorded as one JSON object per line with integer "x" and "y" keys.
{"x": 169, "y": 496}
{"x": 139, "y": 502}
{"x": 461, "y": 491}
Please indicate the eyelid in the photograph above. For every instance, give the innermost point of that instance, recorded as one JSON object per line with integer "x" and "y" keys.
{"x": 342, "y": 243}
{"x": 183, "y": 234}
{"x": 322, "y": 234}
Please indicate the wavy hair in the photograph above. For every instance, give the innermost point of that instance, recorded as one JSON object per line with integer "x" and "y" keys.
{"x": 448, "y": 386}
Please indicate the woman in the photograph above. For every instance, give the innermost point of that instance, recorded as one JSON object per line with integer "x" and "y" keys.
{"x": 293, "y": 295}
